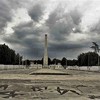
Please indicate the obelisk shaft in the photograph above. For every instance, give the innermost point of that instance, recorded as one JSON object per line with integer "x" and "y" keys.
{"x": 45, "y": 60}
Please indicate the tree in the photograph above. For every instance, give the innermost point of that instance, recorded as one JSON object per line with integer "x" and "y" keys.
{"x": 49, "y": 61}
{"x": 73, "y": 62}
{"x": 88, "y": 59}
{"x": 8, "y": 56}
{"x": 41, "y": 61}
{"x": 64, "y": 62}
{"x": 55, "y": 61}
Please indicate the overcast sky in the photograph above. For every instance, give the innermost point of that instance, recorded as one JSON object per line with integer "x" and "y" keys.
{"x": 71, "y": 26}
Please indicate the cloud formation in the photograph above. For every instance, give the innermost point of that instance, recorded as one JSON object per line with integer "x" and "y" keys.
{"x": 71, "y": 26}
{"x": 5, "y": 14}
{"x": 36, "y": 12}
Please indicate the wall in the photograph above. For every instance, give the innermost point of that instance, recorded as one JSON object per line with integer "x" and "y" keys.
{"x": 6, "y": 67}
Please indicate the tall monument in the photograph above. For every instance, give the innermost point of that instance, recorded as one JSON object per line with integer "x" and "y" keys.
{"x": 45, "y": 58}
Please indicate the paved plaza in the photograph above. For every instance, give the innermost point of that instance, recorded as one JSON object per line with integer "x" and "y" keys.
{"x": 25, "y": 84}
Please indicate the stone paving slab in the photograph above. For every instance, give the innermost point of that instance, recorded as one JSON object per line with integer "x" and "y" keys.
{"x": 47, "y": 71}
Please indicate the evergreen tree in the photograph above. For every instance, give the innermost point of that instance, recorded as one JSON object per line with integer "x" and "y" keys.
{"x": 8, "y": 56}
{"x": 88, "y": 59}
{"x": 64, "y": 62}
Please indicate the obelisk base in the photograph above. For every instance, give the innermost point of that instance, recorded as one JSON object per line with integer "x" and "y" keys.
{"x": 45, "y": 66}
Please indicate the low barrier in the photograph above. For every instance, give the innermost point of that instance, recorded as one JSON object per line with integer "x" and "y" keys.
{"x": 7, "y": 67}
{"x": 89, "y": 68}
{"x": 56, "y": 67}
{"x": 84, "y": 68}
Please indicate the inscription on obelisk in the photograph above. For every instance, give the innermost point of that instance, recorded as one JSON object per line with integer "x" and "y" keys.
{"x": 45, "y": 59}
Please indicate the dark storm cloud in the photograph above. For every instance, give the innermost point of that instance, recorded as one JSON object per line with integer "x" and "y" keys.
{"x": 33, "y": 47}
{"x": 36, "y": 12}
{"x": 6, "y": 7}
{"x": 34, "y": 52}
{"x": 65, "y": 46}
{"x": 23, "y": 29}
{"x": 27, "y": 35}
{"x": 5, "y": 14}
{"x": 61, "y": 23}
{"x": 58, "y": 23}
{"x": 69, "y": 50}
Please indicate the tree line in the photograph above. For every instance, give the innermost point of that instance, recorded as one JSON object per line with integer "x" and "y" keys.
{"x": 89, "y": 59}
{"x": 56, "y": 61}
{"x": 9, "y": 56}
{"x": 84, "y": 59}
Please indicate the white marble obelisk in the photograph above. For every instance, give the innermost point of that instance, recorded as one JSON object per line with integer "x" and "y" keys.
{"x": 45, "y": 59}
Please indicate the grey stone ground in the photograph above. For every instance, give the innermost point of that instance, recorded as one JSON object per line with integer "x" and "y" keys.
{"x": 74, "y": 85}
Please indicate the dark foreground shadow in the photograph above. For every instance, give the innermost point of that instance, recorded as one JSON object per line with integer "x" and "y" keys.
{"x": 94, "y": 97}
{"x": 49, "y": 74}
{"x": 63, "y": 91}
